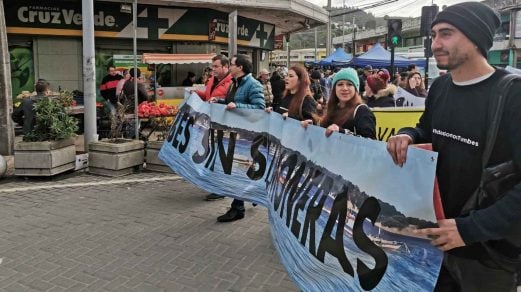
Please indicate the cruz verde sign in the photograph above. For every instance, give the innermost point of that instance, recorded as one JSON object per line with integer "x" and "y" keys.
{"x": 64, "y": 18}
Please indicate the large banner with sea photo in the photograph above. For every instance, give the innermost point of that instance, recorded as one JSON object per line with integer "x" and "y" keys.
{"x": 342, "y": 215}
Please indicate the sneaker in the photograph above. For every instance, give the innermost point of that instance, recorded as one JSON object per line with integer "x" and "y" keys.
{"x": 214, "y": 197}
{"x": 232, "y": 215}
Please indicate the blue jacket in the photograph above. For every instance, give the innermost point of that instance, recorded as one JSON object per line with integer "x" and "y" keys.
{"x": 249, "y": 93}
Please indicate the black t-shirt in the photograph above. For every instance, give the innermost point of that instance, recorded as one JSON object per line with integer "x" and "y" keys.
{"x": 456, "y": 121}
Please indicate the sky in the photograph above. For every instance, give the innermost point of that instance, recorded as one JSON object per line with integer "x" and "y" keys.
{"x": 401, "y": 8}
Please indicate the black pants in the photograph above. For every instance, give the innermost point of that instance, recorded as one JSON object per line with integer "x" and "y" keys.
{"x": 462, "y": 274}
{"x": 238, "y": 204}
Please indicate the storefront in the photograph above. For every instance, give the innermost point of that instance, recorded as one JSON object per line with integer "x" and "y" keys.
{"x": 45, "y": 39}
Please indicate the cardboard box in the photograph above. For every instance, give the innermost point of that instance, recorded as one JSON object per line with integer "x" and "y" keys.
{"x": 82, "y": 160}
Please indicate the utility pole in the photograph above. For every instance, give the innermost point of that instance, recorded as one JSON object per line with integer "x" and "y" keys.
{"x": 343, "y": 25}
{"x": 343, "y": 29}
{"x": 136, "y": 77}
{"x": 89, "y": 73}
{"x": 354, "y": 37}
{"x": 328, "y": 37}
{"x": 232, "y": 34}
{"x": 6, "y": 99}
{"x": 288, "y": 50}
{"x": 316, "y": 42}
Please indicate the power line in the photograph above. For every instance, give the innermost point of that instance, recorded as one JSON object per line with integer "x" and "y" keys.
{"x": 382, "y": 10}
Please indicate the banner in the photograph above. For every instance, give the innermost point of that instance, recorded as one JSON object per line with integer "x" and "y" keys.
{"x": 405, "y": 99}
{"x": 390, "y": 120}
{"x": 342, "y": 214}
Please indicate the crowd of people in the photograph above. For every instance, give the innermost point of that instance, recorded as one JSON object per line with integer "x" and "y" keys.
{"x": 336, "y": 105}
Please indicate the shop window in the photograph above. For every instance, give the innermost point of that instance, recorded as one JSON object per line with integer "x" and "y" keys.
{"x": 22, "y": 69}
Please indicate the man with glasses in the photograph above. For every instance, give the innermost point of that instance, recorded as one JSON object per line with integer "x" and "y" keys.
{"x": 217, "y": 87}
{"x": 221, "y": 79}
{"x": 245, "y": 92}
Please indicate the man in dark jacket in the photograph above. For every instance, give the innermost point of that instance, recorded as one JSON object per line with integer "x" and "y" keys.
{"x": 455, "y": 122}
{"x": 245, "y": 92}
{"x": 128, "y": 90}
{"x": 24, "y": 114}
{"x": 109, "y": 84}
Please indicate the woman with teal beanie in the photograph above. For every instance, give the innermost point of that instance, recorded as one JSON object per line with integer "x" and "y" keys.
{"x": 346, "y": 113}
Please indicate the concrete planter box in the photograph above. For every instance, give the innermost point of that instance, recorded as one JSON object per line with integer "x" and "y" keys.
{"x": 116, "y": 158}
{"x": 152, "y": 157}
{"x": 46, "y": 158}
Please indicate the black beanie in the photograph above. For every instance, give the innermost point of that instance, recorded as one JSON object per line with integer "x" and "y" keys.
{"x": 475, "y": 20}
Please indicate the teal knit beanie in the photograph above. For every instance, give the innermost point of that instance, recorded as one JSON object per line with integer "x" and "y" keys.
{"x": 348, "y": 74}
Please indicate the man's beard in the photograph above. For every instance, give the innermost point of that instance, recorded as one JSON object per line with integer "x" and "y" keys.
{"x": 453, "y": 62}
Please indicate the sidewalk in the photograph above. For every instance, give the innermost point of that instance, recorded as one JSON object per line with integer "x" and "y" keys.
{"x": 144, "y": 232}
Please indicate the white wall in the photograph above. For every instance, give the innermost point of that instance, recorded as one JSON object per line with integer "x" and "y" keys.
{"x": 59, "y": 61}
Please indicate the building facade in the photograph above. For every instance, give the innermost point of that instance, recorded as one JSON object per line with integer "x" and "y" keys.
{"x": 45, "y": 37}
{"x": 280, "y": 57}
{"x": 506, "y": 49}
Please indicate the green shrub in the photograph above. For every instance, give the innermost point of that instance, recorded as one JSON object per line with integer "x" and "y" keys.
{"x": 52, "y": 122}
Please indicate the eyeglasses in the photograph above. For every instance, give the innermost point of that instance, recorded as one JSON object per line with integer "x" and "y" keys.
{"x": 232, "y": 64}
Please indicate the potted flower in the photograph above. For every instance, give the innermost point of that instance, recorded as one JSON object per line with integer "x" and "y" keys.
{"x": 116, "y": 155}
{"x": 48, "y": 148}
{"x": 160, "y": 118}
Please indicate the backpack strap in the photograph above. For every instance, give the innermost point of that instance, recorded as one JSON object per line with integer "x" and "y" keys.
{"x": 356, "y": 109}
{"x": 495, "y": 114}
{"x": 354, "y": 114}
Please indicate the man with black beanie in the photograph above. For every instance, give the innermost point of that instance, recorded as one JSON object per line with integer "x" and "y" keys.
{"x": 455, "y": 122}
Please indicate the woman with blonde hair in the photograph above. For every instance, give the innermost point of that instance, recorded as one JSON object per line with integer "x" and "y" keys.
{"x": 346, "y": 113}
{"x": 297, "y": 102}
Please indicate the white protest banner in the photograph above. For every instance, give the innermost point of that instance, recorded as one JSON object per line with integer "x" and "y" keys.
{"x": 342, "y": 214}
{"x": 403, "y": 98}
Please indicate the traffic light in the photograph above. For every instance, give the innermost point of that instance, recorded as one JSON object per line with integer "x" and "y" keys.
{"x": 427, "y": 47}
{"x": 394, "y": 32}
{"x": 428, "y": 14}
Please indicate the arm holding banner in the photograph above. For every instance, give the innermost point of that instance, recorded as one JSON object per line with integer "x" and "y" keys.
{"x": 249, "y": 95}
{"x": 446, "y": 236}
{"x": 397, "y": 145}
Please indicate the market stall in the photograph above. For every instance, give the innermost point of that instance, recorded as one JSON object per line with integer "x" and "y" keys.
{"x": 174, "y": 95}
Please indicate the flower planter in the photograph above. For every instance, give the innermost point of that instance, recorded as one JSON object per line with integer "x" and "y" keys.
{"x": 116, "y": 158}
{"x": 152, "y": 157}
{"x": 46, "y": 158}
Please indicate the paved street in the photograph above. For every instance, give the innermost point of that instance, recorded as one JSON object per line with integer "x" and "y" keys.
{"x": 144, "y": 232}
